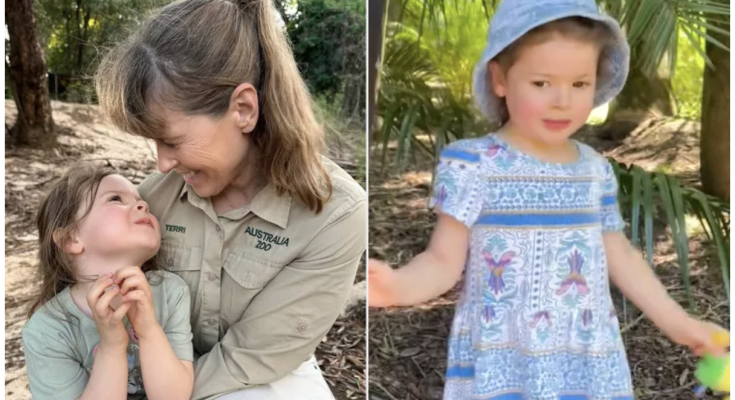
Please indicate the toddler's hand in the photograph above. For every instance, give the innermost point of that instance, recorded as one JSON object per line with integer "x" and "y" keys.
{"x": 109, "y": 321}
{"x": 699, "y": 336}
{"x": 136, "y": 292}
{"x": 382, "y": 285}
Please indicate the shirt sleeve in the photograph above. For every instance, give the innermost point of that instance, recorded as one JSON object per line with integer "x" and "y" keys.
{"x": 456, "y": 188}
{"x": 285, "y": 322}
{"x": 178, "y": 325}
{"x": 610, "y": 216}
{"x": 53, "y": 372}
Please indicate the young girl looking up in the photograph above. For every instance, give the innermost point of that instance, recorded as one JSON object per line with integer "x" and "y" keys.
{"x": 99, "y": 329}
{"x": 532, "y": 218}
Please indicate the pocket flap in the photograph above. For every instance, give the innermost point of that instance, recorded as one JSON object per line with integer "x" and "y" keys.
{"x": 249, "y": 273}
{"x": 178, "y": 257}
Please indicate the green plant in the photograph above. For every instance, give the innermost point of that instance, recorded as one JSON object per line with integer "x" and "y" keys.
{"x": 643, "y": 195}
{"x": 426, "y": 77}
{"x": 80, "y": 92}
{"x": 328, "y": 38}
{"x": 655, "y": 24}
{"x": 688, "y": 81}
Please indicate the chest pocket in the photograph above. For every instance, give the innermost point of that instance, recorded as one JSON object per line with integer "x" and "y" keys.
{"x": 244, "y": 277}
{"x": 184, "y": 261}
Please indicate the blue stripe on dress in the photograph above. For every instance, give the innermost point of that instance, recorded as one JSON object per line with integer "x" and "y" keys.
{"x": 609, "y": 200}
{"x": 583, "y": 397}
{"x": 460, "y": 155}
{"x": 539, "y": 219}
{"x": 459, "y": 371}
{"x": 521, "y": 396}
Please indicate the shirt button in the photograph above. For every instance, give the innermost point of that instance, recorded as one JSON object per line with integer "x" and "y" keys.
{"x": 217, "y": 228}
{"x": 212, "y": 277}
{"x": 210, "y": 322}
{"x": 170, "y": 261}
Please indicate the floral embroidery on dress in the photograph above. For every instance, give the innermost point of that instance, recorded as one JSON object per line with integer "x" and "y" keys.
{"x": 495, "y": 280}
{"x": 575, "y": 278}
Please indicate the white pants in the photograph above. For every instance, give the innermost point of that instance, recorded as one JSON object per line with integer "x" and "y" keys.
{"x": 304, "y": 383}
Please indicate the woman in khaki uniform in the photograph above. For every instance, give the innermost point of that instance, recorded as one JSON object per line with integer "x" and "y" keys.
{"x": 266, "y": 232}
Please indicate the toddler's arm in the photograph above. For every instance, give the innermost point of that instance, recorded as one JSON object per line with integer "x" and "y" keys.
{"x": 632, "y": 275}
{"x": 108, "y": 379}
{"x": 165, "y": 350}
{"x": 428, "y": 275}
{"x": 164, "y": 374}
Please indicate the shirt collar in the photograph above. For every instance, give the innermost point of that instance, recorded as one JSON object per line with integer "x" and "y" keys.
{"x": 267, "y": 204}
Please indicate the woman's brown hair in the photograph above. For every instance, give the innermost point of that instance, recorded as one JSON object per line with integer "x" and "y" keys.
{"x": 190, "y": 56}
{"x": 58, "y": 216}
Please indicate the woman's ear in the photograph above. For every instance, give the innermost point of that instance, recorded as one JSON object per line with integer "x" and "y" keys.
{"x": 69, "y": 243}
{"x": 496, "y": 76}
{"x": 244, "y": 102}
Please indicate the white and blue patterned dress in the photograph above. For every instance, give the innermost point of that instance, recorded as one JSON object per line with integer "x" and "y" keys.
{"x": 535, "y": 319}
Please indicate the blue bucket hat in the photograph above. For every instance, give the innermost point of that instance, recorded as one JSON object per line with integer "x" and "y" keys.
{"x": 514, "y": 18}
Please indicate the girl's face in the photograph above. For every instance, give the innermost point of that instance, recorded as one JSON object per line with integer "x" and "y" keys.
{"x": 117, "y": 230}
{"x": 210, "y": 153}
{"x": 549, "y": 90}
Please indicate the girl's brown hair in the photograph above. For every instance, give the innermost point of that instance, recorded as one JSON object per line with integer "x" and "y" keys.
{"x": 59, "y": 213}
{"x": 190, "y": 56}
{"x": 576, "y": 28}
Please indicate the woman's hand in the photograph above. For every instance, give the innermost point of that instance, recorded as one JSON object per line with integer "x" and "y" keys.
{"x": 136, "y": 292}
{"x": 699, "y": 336}
{"x": 382, "y": 284}
{"x": 109, "y": 322}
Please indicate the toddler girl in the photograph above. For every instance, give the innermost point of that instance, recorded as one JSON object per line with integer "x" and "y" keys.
{"x": 99, "y": 329}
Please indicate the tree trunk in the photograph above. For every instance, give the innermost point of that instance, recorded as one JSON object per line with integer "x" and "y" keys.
{"x": 67, "y": 16}
{"x": 34, "y": 125}
{"x": 80, "y": 44}
{"x": 377, "y": 12}
{"x": 80, "y": 56}
{"x": 642, "y": 97}
{"x": 715, "y": 135}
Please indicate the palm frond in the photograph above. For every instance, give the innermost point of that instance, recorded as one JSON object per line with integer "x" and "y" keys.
{"x": 647, "y": 195}
{"x": 652, "y": 27}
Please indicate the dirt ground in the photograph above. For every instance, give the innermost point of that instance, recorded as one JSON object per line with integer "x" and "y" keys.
{"x": 83, "y": 136}
{"x": 408, "y": 345}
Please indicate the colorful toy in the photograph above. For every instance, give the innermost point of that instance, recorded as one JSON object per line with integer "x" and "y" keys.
{"x": 714, "y": 372}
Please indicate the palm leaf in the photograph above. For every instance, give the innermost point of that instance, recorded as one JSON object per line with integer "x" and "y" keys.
{"x": 652, "y": 191}
{"x": 653, "y": 26}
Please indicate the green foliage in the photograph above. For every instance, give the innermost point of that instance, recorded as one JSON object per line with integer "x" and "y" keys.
{"x": 655, "y": 25}
{"x": 74, "y": 32}
{"x": 689, "y": 78}
{"x": 426, "y": 77}
{"x": 328, "y": 39}
{"x": 456, "y": 38}
{"x": 80, "y": 92}
{"x": 645, "y": 196}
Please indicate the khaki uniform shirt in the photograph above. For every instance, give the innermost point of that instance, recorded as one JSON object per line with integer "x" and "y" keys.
{"x": 267, "y": 281}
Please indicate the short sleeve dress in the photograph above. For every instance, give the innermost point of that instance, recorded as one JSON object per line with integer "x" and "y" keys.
{"x": 535, "y": 319}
